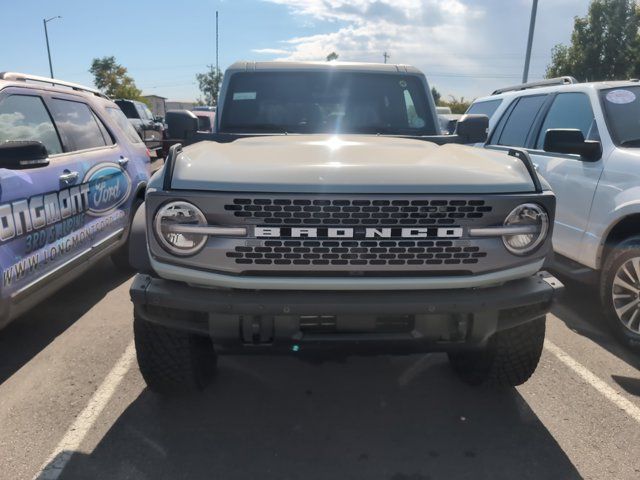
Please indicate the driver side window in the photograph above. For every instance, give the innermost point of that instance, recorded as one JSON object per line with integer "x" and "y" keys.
{"x": 24, "y": 117}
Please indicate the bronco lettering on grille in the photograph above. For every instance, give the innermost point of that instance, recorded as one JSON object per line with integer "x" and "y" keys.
{"x": 357, "y": 232}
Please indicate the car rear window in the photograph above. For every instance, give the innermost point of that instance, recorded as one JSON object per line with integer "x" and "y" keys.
{"x": 487, "y": 108}
{"x": 517, "y": 123}
{"x": 124, "y": 124}
{"x": 78, "y": 125}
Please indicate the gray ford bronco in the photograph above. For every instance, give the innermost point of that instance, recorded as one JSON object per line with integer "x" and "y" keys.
{"x": 326, "y": 217}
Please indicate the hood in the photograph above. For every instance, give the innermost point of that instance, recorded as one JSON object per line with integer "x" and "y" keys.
{"x": 347, "y": 164}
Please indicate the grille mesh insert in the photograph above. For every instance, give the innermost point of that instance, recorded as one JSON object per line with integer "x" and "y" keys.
{"x": 290, "y": 211}
{"x": 357, "y": 253}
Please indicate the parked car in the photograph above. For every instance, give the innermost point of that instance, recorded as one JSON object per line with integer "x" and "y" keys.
{"x": 323, "y": 218}
{"x": 584, "y": 139}
{"x": 206, "y": 120}
{"x": 150, "y": 129}
{"x": 448, "y": 122}
{"x": 72, "y": 173}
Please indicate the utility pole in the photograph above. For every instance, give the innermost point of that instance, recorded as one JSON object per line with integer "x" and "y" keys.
{"x": 217, "y": 65}
{"x": 46, "y": 36}
{"x": 532, "y": 27}
{"x": 386, "y": 56}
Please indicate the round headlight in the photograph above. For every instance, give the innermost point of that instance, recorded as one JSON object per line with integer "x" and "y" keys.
{"x": 169, "y": 226}
{"x": 534, "y": 225}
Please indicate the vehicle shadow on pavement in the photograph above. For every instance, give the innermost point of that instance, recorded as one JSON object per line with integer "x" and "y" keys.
{"x": 580, "y": 309}
{"x": 386, "y": 418}
{"x": 26, "y": 336}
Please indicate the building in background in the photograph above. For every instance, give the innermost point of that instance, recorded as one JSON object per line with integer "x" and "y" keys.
{"x": 176, "y": 105}
{"x": 156, "y": 104}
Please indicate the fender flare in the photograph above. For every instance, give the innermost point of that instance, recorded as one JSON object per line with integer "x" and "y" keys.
{"x": 138, "y": 251}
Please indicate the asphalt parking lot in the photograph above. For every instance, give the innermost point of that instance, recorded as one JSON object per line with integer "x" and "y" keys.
{"x": 70, "y": 392}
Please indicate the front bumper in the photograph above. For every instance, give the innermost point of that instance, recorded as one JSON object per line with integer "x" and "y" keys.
{"x": 254, "y": 321}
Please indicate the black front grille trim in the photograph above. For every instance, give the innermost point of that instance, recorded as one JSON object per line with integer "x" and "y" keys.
{"x": 296, "y": 211}
{"x": 354, "y": 253}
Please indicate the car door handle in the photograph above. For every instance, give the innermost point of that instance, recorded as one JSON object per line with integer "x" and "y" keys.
{"x": 69, "y": 177}
{"x": 122, "y": 161}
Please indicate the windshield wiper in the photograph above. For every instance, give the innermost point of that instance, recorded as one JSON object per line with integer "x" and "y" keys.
{"x": 635, "y": 142}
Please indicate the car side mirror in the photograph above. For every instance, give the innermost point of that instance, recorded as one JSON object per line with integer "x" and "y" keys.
{"x": 569, "y": 140}
{"x": 182, "y": 125}
{"x": 19, "y": 155}
{"x": 473, "y": 128}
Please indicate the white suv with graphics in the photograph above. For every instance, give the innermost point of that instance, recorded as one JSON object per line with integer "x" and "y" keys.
{"x": 72, "y": 173}
{"x": 584, "y": 139}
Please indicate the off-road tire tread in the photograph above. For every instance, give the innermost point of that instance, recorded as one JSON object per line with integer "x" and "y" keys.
{"x": 171, "y": 361}
{"x": 517, "y": 353}
{"x": 509, "y": 360}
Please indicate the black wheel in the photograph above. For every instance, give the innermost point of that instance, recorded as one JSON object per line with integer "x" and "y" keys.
{"x": 173, "y": 362}
{"x": 509, "y": 359}
{"x": 620, "y": 291}
{"x": 120, "y": 257}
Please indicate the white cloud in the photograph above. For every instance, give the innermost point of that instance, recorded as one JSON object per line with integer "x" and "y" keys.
{"x": 418, "y": 32}
{"x": 465, "y": 47}
{"x": 270, "y": 51}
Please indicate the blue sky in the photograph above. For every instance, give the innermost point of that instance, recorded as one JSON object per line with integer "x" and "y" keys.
{"x": 465, "y": 47}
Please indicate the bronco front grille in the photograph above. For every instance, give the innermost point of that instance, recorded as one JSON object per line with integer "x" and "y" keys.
{"x": 357, "y": 253}
{"x": 356, "y": 211}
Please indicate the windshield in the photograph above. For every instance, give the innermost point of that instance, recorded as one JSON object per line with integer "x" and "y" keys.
{"x": 622, "y": 111}
{"x": 327, "y": 102}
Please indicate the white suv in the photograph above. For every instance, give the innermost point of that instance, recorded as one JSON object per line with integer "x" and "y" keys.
{"x": 584, "y": 139}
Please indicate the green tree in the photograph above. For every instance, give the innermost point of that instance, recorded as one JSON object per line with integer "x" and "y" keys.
{"x": 437, "y": 96}
{"x": 457, "y": 105}
{"x": 332, "y": 56}
{"x": 209, "y": 84}
{"x": 604, "y": 44}
{"x": 111, "y": 78}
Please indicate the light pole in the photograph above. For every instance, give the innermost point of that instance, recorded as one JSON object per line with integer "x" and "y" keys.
{"x": 46, "y": 36}
{"x": 532, "y": 27}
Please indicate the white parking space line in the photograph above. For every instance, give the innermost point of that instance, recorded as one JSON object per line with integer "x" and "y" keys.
{"x": 609, "y": 393}
{"x": 76, "y": 433}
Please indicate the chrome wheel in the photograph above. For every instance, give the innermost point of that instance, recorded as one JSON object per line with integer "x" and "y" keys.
{"x": 625, "y": 293}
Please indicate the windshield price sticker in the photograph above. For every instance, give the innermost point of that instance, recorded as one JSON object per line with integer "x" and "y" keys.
{"x": 244, "y": 95}
{"x": 621, "y": 97}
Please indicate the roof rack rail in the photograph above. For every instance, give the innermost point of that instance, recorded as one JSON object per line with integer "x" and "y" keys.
{"x": 23, "y": 77}
{"x": 542, "y": 83}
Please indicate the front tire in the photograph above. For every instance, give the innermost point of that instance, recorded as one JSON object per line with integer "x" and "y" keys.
{"x": 508, "y": 360}
{"x": 620, "y": 291}
{"x": 173, "y": 362}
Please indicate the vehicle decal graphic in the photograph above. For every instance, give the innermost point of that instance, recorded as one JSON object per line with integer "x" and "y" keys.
{"x": 109, "y": 187}
{"x": 105, "y": 187}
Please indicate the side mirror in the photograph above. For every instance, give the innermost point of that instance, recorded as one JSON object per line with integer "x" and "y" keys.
{"x": 569, "y": 140}
{"x": 18, "y": 155}
{"x": 182, "y": 125}
{"x": 473, "y": 128}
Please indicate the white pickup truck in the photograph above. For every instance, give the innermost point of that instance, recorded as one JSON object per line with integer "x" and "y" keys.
{"x": 584, "y": 139}
{"x": 327, "y": 216}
